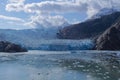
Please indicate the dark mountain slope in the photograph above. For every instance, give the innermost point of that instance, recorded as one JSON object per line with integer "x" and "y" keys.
{"x": 88, "y": 29}
{"x": 110, "y": 39}
{"x": 11, "y": 47}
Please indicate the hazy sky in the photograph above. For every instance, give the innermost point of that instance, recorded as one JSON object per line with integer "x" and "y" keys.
{"x": 23, "y": 14}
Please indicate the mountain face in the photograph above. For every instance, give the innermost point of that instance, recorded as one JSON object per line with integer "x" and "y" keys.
{"x": 110, "y": 39}
{"x": 88, "y": 29}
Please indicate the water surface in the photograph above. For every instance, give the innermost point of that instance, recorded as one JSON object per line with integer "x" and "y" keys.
{"x": 63, "y": 65}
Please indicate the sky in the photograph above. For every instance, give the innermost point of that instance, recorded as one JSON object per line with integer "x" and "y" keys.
{"x": 27, "y": 14}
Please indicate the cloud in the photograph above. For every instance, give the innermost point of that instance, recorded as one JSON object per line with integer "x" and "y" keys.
{"x": 55, "y": 7}
{"x": 58, "y": 7}
{"x": 62, "y": 6}
{"x": 16, "y": 1}
{"x": 47, "y": 8}
{"x": 15, "y": 5}
{"x": 11, "y": 18}
{"x": 94, "y": 6}
{"x": 8, "y": 22}
{"x": 47, "y": 21}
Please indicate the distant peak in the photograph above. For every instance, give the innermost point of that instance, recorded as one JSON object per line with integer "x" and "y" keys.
{"x": 104, "y": 11}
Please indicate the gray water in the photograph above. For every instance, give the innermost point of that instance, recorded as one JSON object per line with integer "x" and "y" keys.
{"x": 63, "y": 65}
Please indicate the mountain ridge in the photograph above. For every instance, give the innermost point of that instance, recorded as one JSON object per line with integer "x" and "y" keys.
{"x": 88, "y": 29}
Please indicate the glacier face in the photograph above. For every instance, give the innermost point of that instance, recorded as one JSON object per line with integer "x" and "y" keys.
{"x": 60, "y": 45}
{"x": 43, "y": 39}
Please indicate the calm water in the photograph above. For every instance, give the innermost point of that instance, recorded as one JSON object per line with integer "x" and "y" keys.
{"x": 69, "y": 65}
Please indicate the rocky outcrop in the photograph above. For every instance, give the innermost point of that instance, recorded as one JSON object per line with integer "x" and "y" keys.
{"x": 88, "y": 29}
{"x": 110, "y": 39}
{"x": 11, "y": 47}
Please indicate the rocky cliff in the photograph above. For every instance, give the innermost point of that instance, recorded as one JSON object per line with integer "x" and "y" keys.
{"x": 110, "y": 39}
{"x": 11, "y": 47}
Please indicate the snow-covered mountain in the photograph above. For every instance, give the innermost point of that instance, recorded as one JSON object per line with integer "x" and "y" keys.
{"x": 104, "y": 11}
{"x": 28, "y": 34}
{"x": 40, "y": 32}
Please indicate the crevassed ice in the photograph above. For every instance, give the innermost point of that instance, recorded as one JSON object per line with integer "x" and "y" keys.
{"x": 62, "y": 45}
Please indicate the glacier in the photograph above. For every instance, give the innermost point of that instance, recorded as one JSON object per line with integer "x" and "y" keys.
{"x": 61, "y": 45}
{"x": 43, "y": 40}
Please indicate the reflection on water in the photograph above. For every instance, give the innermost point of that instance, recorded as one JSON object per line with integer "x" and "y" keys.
{"x": 83, "y": 65}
